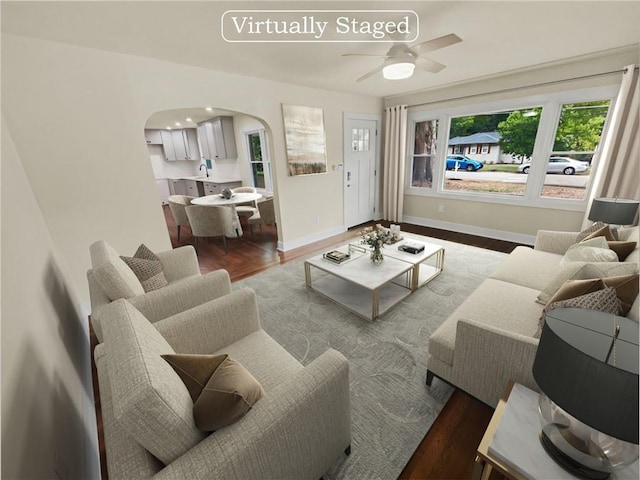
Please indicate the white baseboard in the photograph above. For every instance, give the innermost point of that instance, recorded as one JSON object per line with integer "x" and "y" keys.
{"x": 472, "y": 230}
{"x": 316, "y": 237}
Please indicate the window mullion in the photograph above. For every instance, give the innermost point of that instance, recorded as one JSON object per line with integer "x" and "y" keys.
{"x": 542, "y": 149}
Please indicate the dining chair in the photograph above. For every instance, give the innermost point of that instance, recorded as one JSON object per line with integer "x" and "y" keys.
{"x": 209, "y": 221}
{"x": 246, "y": 209}
{"x": 177, "y": 203}
{"x": 265, "y": 215}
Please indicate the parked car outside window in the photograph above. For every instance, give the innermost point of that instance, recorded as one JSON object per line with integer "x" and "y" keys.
{"x": 565, "y": 165}
{"x": 464, "y": 163}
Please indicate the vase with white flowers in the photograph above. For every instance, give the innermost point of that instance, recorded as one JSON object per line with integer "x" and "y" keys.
{"x": 376, "y": 237}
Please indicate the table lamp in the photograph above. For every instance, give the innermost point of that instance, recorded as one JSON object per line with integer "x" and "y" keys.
{"x": 614, "y": 211}
{"x": 586, "y": 366}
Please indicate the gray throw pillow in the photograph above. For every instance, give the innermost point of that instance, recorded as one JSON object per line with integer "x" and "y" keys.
{"x": 147, "y": 267}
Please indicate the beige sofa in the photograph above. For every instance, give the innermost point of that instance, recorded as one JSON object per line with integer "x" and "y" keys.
{"x": 297, "y": 430}
{"x": 111, "y": 279}
{"x": 489, "y": 339}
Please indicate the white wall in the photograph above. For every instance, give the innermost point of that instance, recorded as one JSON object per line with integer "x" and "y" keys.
{"x": 48, "y": 417}
{"x": 62, "y": 101}
{"x": 512, "y": 222}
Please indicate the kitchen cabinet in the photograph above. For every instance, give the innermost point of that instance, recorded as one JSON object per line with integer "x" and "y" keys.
{"x": 204, "y": 143}
{"x": 153, "y": 137}
{"x": 194, "y": 188}
{"x": 217, "y": 139}
{"x": 177, "y": 187}
{"x": 180, "y": 144}
{"x": 215, "y": 188}
{"x": 163, "y": 190}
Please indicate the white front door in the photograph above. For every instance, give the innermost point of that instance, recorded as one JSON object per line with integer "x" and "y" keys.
{"x": 360, "y": 145}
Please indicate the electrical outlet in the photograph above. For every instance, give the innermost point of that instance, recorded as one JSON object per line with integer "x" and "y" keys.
{"x": 440, "y": 208}
{"x": 317, "y": 219}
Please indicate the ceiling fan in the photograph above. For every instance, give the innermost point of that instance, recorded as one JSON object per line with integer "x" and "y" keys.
{"x": 401, "y": 60}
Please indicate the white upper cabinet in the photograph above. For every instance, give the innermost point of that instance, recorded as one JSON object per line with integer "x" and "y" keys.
{"x": 180, "y": 144}
{"x": 153, "y": 137}
{"x": 217, "y": 139}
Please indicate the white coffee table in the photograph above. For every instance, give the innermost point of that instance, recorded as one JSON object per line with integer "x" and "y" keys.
{"x": 427, "y": 264}
{"x": 360, "y": 286}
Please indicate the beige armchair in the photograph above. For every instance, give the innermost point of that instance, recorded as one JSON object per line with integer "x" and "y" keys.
{"x": 265, "y": 215}
{"x": 297, "y": 430}
{"x": 111, "y": 279}
{"x": 246, "y": 209}
{"x": 209, "y": 221}
{"x": 176, "y": 205}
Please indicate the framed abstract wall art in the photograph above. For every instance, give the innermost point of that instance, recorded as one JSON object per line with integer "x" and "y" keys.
{"x": 305, "y": 140}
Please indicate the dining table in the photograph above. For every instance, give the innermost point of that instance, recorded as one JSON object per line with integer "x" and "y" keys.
{"x": 220, "y": 201}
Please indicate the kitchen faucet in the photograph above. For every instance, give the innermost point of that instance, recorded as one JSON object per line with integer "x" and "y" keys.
{"x": 205, "y": 168}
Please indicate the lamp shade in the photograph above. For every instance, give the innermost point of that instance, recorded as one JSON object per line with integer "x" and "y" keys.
{"x": 616, "y": 211}
{"x": 571, "y": 369}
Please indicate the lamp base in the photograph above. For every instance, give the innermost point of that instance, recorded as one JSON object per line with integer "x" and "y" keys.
{"x": 557, "y": 440}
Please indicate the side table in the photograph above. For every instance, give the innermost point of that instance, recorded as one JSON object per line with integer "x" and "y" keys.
{"x": 511, "y": 445}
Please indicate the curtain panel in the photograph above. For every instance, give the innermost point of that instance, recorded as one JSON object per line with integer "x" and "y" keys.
{"x": 618, "y": 172}
{"x": 395, "y": 152}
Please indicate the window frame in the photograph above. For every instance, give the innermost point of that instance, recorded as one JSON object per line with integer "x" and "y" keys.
{"x": 550, "y": 116}
{"x": 266, "y": 161}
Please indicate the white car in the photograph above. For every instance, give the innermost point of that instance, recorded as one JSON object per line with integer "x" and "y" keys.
{"x": 565, "y": 165}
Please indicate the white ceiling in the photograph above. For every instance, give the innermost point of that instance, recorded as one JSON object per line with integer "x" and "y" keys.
{"x": 498, "y": 37}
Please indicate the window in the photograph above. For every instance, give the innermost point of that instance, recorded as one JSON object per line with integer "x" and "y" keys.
{"x": 260, "y": 166}
{"x": 512, "y": 134}
{"x": 577, "y": 137}
{"x": 424, "y": 152}
{"x": 535, "y": 151}
{"x": 360, "y": 139}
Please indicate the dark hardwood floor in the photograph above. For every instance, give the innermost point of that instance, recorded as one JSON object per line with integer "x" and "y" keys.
{"x": 448, "y": 450}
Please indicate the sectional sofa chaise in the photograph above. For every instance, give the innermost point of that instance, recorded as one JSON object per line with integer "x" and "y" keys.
{"x": 489, "y": 339}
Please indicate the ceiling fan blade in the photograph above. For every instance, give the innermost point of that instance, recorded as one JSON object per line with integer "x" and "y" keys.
{"x": 363, "y": 55}
{"x": 429, "y": 65}
{"x": 436, "y": 44}
{"x": 370, "y": 73}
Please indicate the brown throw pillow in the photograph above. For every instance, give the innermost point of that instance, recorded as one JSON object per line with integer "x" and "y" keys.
{"x": 622, "y": 249}
{"x": 626, "y": 289}
{"x": 604, "y": 300}
{"x": 222, "y": 390}
{"x": 604, "y": 231}
{"x": 576, "y": 288}
{"x": 147, "y": 267}
{"x": 595, "y": 227}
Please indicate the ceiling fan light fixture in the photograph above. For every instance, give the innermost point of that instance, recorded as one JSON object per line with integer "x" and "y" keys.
{"x": 399, "y": 70}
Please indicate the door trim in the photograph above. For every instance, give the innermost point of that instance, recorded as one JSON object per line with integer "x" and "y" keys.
{"x": 346, "y": 144}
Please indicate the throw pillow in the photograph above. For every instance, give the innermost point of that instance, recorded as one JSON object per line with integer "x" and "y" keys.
{"x": 222, "y": 390}
{"x": 604, "y": 300}
{"x": 626, "y": 289}
{"x": 604, "y": 231}
{"x": 622, "y": 249}
{"x": 576, "y": 288}
{"x": 593, "y": 228}
{"x": 147, "y": 267}
{"x": 592, "y": 250}
{"x": 582, "y": 270}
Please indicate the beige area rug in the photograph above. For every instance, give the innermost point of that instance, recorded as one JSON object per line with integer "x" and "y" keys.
{"x": 391, "y": 407}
